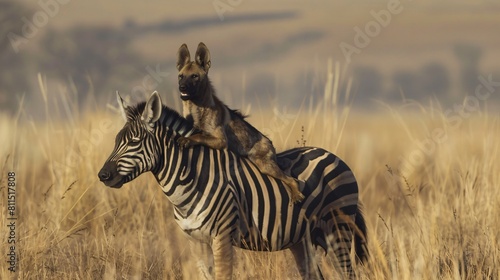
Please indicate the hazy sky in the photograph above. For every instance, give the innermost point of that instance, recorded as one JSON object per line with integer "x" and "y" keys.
{"x": 283, "y": 48}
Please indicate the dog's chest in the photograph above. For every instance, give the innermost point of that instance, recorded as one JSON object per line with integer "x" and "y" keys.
{"x": 204, "y": 118}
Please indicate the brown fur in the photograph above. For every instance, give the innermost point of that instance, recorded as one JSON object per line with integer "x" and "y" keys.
{"x": 220, "y": 126}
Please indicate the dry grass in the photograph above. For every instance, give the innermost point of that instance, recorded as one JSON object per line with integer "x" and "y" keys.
{"x": 436, "y": 219}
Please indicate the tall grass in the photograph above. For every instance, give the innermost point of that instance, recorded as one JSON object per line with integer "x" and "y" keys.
{"x": 436, "y": 217}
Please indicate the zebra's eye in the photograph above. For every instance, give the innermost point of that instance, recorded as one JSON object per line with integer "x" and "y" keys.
{"x": 135, "y": 139}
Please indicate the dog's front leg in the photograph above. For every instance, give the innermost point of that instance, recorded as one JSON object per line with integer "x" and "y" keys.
{"x": 187, "y": 142}
{"x": 215, "y": 141}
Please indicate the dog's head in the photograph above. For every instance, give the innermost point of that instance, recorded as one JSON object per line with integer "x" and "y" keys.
{"x": 192, "y": 74}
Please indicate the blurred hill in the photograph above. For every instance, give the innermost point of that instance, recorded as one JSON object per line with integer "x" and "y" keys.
{"x": 262, "y": 53}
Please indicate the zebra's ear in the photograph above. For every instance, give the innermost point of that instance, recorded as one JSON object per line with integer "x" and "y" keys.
{"x": 152, "y": 111}
{"x": 121, "y": 104}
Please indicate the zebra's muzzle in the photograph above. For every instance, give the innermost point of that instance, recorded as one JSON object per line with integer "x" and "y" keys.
{"x": 109, "y": 175}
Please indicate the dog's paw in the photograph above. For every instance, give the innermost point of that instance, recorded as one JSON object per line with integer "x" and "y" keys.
{"x": 297, "y": 197}
{"x": 185, "y": 142}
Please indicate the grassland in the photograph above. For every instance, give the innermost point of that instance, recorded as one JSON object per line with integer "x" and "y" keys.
{"x": 432, "y": 207}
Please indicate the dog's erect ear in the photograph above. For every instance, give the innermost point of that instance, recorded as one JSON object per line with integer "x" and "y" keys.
{"x": 183, "y": 57}
{"x": 202, "y": 57}
{"x": 122, "y": 106}
{"x": 152, "y": 111}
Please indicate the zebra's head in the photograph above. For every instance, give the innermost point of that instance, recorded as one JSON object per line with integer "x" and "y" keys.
{"x": 137, "y": 149}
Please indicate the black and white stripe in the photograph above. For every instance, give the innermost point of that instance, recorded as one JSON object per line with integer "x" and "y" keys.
{"x": 222, "y": 200}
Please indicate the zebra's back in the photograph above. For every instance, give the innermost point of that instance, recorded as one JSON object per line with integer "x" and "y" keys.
{"x": 269, "y": 222}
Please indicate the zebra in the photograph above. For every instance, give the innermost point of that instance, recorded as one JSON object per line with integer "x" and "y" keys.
{"x": 221, "y": 200}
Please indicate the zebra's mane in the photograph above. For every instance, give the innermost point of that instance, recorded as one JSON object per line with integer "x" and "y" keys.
{"x": 169, "y": 118}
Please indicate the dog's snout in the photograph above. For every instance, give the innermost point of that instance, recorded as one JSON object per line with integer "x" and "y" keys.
{"x": 182, "y": 87}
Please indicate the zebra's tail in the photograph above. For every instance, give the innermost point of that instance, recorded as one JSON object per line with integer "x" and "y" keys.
{"x": 360, "y": 237}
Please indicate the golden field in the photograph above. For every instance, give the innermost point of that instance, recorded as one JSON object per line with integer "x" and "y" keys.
{"x": 428, "y": 173}
{"x": 428, "y": 181}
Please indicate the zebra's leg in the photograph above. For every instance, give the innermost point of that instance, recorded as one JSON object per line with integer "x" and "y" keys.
{"x": 304, "y": 256}
{"x": 204, "y": 259}
{"x": 223, "y": 256}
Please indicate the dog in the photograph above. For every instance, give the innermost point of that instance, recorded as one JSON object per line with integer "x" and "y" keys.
{"x": 220, "y": 126}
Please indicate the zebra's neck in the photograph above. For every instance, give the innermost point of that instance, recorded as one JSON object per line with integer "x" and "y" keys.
{"x": 173, "y": 121}
{"x": 178, "y": 171}
{"x": 187, "y": 174}
{"x": 171, "y": 126}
